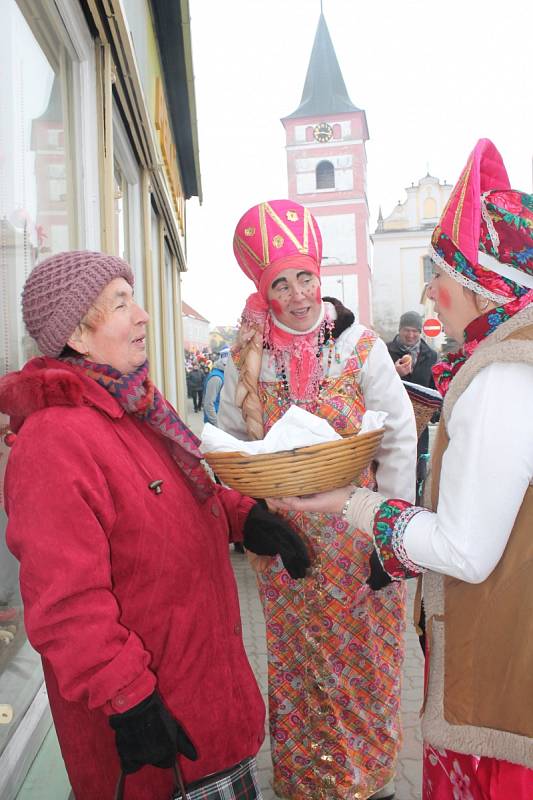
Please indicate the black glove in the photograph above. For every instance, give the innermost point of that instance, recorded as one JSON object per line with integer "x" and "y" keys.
{"x": 378, "y": 578}
{"x": 268, "y": 534}
{"x": 149, "y": 734}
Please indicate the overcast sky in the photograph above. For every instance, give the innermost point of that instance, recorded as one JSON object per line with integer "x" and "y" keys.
{"x": 432, "y": 77}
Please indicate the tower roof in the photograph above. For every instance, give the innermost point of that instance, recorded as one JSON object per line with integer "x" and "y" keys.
{"x": 324, "y": 89}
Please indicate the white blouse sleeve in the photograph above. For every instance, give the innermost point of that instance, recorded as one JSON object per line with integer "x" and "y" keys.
{"x": 230, "y": 417}
{"x": 384, "y": 391}
{"x": 486, "y": 471}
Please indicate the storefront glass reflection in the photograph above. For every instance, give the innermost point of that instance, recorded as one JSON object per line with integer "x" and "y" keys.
{"x": 36, "y": 210}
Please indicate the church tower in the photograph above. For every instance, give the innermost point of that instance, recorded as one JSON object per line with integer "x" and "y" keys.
{"x": 326, "y": 163}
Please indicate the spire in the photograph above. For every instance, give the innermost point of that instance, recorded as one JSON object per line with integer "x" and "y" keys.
{"x": 324, "y": 90}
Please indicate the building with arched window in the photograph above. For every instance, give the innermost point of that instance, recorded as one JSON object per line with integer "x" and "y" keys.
{"x": 402, "y": 266}
{"x": 326, "y": 165}
{"x": 325, "y": 175}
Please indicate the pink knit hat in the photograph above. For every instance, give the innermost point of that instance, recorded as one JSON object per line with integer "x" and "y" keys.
{"x": 60, "y": 291}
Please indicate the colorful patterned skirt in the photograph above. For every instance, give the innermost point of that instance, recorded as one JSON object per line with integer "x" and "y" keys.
{"x": 335, "y": 655}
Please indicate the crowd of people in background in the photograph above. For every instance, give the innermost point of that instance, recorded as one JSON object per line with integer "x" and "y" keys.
{"x": 204, "y": 375}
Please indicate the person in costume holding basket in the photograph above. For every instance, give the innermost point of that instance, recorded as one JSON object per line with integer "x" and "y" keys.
{"x": 473, "y": 542}
{"x": 334, "y": 647}
{"x": 122, "y": 537}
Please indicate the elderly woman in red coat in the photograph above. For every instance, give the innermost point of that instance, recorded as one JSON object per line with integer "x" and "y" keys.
{"x": 122, "y": 540}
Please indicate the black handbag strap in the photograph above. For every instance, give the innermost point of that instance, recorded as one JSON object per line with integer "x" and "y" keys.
{"x": 178, "y": 783}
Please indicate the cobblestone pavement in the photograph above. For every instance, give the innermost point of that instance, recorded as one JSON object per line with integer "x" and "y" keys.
{"x": 409, "y": 771}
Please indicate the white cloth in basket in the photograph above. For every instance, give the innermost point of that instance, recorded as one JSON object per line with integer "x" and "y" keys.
{"x": 296, "y": 428}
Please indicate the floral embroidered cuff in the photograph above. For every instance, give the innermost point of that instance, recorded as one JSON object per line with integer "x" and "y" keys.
{"x": 390, "y": 522}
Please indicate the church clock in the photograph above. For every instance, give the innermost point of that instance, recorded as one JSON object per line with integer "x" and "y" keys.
{"x": 323, "y": 132}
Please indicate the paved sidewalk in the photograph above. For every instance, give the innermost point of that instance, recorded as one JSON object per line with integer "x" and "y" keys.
{"x": 409, "y": 773}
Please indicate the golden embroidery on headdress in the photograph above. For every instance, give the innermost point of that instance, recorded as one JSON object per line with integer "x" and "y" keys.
{"x": 313, "y": 233}
{"x": 249, "y": 231}
{"x": 287, "y": 231}
{"x": 244, "y": 250}
{"x": 264, "y": 233}
{"x": 292, "y": 216}
{"x": 278, "y": 240}
{"x": 463, "y": 185}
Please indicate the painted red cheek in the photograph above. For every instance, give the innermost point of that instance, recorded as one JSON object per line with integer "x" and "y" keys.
{"x": 318, "y": 296}
{"x": 444, "y": 298}
{"x": 275, "y": 305}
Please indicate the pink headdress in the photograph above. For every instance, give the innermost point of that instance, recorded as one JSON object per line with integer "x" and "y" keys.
{"x": 478, "y": 240}
{"x": 274, "y": 236}
{"x": 271, "y": 237}
{"x": 484, "y": 241}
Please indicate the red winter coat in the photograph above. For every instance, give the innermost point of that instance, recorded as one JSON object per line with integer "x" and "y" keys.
{"x": 124, "y": 590}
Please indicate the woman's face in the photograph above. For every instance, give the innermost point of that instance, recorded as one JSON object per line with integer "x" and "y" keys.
{"x": 116, "y": 334}
{"x": 294, "y": 297}
{"x": 455, "y": 306}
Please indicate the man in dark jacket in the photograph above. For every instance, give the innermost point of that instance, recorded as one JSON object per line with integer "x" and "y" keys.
{"x": 413, "y": 360}
{"x": 195, "y": 383}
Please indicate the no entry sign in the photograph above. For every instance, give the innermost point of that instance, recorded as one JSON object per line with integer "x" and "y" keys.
{"x": 432, "y": 326}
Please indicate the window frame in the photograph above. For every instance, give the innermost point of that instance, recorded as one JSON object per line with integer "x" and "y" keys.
{"x": 327, "y": 172}
{"x": 61, "y": 22}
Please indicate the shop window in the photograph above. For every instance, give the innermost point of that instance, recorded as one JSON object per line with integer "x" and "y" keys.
{"x": 121, "y": 214}
{"x": 325, "y": 175}
{"x": 171, "y": 380}
{"x": 37, "y": 212}
{"x": 428, "y": 269}
{"x": 155, "y": 311}
{"x": 128, "y": 226}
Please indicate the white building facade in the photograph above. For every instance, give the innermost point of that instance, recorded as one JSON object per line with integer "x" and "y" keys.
{"x": 402, "y": 266}
{"x": 195, "y": 329}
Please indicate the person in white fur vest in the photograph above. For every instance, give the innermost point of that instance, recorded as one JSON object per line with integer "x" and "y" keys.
{"x": 473, "y": 541}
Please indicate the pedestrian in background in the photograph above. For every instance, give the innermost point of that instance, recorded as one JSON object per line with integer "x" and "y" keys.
{"x": 129, "y": 595}
{"x": 414, "y": 360}
{"x": 195, "y": 383}
{"x": 213, "y": 384}
{"x": 335, "y": 649}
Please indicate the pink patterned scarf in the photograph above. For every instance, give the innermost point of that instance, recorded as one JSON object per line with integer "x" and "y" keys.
{"x": 137, "y": 395}
{"x": 297, "y": 356}
{"x": 445, "y": 370}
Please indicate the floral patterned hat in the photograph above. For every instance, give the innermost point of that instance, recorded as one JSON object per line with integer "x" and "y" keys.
{"x": 484, "y": 239}
{"x": 276, "y": 235}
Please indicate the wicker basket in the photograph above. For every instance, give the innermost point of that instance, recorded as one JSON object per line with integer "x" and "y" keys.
{"x": 425, "y": 403}
{"x": 423, "y": 414}
{"x": 301, "y": 471}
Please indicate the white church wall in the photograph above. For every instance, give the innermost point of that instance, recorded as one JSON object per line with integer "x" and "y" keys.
{"x": 400, "y": 244}
{"x": 397, "y": 279}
